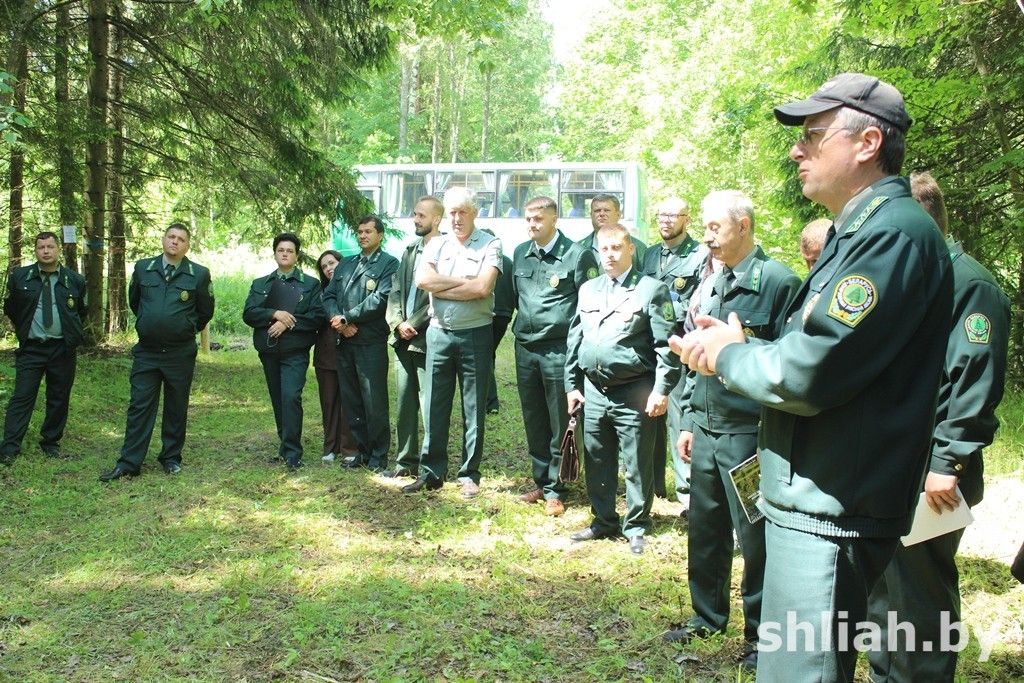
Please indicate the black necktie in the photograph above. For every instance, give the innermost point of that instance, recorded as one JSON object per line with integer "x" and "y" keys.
{"x": 47, "y": 302}
{"x": 725, "y": 281}
{"x": 665, "y": 255}
{"x": 282, "y": 277}
{"x": 168, "y": 272}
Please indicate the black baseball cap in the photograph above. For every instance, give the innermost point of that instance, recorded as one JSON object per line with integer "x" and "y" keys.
{"x": 857, "y": 91}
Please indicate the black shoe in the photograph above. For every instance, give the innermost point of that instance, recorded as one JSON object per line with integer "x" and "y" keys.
{"x": 637, "y": 545}
{"x": 293, "y": 465}
{"x": 685, "y": 634}
{"x": 352, "y": 462}
{"x": 399, "y": 472}
{"x": 171, "y": 467}
{"x": 748, "y": 658}
{"x": 51, "y": 452}
{"x": 423, "y": 482}
{"x": 589, "y": 534}
{"x": 118, "y": 472}
{"x": 8, "y": 459}
{"x": 492, "y": 411}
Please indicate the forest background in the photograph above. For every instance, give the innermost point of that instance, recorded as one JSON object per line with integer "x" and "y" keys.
{"x": 245, "y": 118}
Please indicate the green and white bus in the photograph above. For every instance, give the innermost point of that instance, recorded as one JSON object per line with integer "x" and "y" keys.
{"x": 502, "y": 191}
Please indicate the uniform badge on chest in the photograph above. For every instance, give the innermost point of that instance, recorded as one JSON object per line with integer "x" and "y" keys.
{"x": 680, "y": 282}
{"x": 71, "y": 302}
{"x": 371, "y": 285}
{"x": 553, "y": 281}
{"x": 184, "y": 296}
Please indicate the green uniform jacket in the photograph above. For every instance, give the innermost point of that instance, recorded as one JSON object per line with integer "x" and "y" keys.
{"x": 309, "y": 314}
{"x": 402, "y": 281}
{"x": 620, "y": 334}
{"x": 359, "y": 293}
{"x": 25, "y": 286}
{"x": 639, "y": 249}
{"x": 760, "y": 298}
{"x": 850, "y": 386}
{"x": 547, "y": 290}
{"x": 169, "y": 314}
{"x": 682, "y": 272}
{"x": 973, "y": 377}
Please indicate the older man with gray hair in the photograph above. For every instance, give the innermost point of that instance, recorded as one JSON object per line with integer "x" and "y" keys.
{"x": 458, "y": 270}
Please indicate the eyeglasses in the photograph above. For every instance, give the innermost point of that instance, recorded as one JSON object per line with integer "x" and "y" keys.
{"x": 808, "y": 134}
{"x": 670, "y": 216}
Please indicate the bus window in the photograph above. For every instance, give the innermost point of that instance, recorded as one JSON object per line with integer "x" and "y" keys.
{"x": 402, "y": 189}
{"x": 516, "y": 188}
{"x": 579, "y": 187}
{"x": 481, "y": 182}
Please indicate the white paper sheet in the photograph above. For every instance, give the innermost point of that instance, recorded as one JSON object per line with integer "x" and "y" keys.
{"x": 928, "y": 524}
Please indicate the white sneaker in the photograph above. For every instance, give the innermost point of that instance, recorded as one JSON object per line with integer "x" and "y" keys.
{"x": 328, "y": 458}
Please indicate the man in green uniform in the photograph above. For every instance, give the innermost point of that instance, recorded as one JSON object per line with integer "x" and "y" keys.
{"x": 549, "y": 270}
{"x": 849, "y": 388}
{"x": 718, "y": 430}
{"x": 284, "y": 310}
{"x": 408, "y": 315}
{"x": 459, "y": 271}
{"x": 606, "y": 210}
{"x": 44, "y": 304}
{"x": 618, "y": 362}
{"x": 504, "y": 306}
{"x": 172, "y": 300}
{"x": 921, "y": 585}
{"x": 678, "y": 262}
{"x": 355, "y": 302}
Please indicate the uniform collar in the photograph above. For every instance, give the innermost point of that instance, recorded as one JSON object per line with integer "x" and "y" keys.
{"x": 684, "y": 248}
{"x": 748, "y": 271}
{"x": 853, "y": 208}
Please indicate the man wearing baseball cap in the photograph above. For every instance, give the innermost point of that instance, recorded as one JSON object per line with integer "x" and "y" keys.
{"x": 850, "y": 386}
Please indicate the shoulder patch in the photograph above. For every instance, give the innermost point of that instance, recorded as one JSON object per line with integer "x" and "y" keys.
{"x": 668, "y": 311}
{"x": 591, "y": 273}
{"x": 852, "y": 300}
{"x": 979, "y": 328}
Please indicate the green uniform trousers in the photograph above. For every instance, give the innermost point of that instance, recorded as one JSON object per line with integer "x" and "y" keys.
{"x": 666, "y": 443}
{"x": 812, "y": 583}
{"x": 715, "y": 510}
{"x": 173, "y": 371}
{"x": 463, "y": 356}
{"x": 363, "y": 377}
{"x": 920, "y": 583}
{"x": 499, "y": 325}
{"x": 616, "y": 426}
{"x": 286, "y": 378}
{"x": 540, "y": 375}
{"x": 34, "y": 360}
{"x": 410, "y": 379}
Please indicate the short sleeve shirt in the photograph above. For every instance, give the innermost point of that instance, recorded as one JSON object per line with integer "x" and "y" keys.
{"x": 455, "y": 259}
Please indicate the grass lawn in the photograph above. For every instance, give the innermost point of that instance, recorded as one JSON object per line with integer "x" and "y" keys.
{"x": 238, "y": 571}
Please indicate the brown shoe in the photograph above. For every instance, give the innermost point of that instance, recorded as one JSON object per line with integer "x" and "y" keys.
{"x": 470, "y": 489}
{"x": 553, "y": 507}
{"x": 532, "y": 496}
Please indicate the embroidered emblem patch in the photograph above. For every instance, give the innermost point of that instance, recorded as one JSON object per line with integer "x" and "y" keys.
{"x": 553, "y": 281}
{"x": 809, "y": 306}
{"x": 591, "y": 273}
{"x": 371, "y": 285}
{"x": 979, "y": 328}
{"x": 668, "y": 311}
{"x": 184, "y": 296}
{"x": 680, "y": 282}
{"x": 854, "y": 297}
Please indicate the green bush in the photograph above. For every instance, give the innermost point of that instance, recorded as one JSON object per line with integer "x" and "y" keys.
{"x": 230, "y": 292}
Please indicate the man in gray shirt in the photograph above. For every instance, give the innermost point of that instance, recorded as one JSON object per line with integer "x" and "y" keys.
{"x": 459, "y": 270}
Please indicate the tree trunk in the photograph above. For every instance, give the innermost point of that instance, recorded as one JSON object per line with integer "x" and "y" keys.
{"x": 17, "y": 167}
{"x": 95, "y": 162}
{"x": 488, "y": 72}
{"x": 68, "y": 179}
{"x": 458, "y": 81}
{"x": 435, "y": 128}
{"x": 404, "y": 87}
{"x": 997, "y": 117}
{"x": 117, "y": 304}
